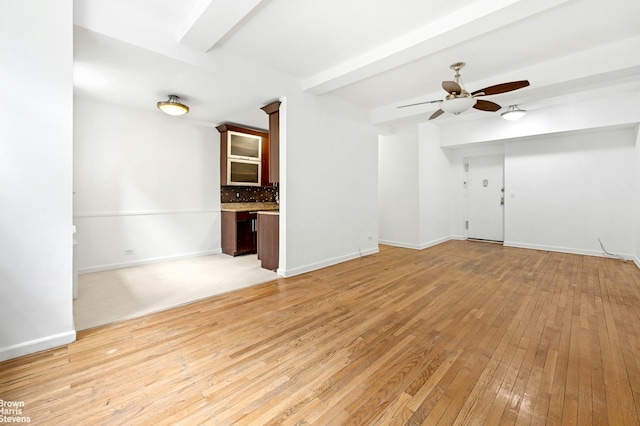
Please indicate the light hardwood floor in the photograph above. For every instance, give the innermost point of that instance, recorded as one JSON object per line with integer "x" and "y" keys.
{"x": 460, "y": 333}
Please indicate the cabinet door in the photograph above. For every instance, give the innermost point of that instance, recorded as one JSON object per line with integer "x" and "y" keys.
{"x": 244, "y": 149}
{"x": 268, "y": 241}
{"x": 228, "y": 234}
{"x": 274, "y": 147}
{"x": 273, "y": 109}
{"x": 243, "y": 173}
{"x": 244, "y": 146}
{"x": 265, "y": 162}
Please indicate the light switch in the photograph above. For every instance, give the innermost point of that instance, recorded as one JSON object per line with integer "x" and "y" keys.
{"x": 513, "y": 194}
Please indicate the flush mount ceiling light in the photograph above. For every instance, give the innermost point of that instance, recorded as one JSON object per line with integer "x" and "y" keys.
{"x": 513, "y": 113}
{"x": 173, "y": 106}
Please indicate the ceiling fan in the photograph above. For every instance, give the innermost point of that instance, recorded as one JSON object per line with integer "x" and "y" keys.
{"x": 459, "y": 100}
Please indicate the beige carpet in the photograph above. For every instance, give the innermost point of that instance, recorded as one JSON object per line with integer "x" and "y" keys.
{"x": 109, "y": 296}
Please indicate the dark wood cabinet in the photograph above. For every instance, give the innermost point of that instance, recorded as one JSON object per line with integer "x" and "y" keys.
{"x": 273, "y": 109}
{"x": 224, "y": 130}
{"x": 239, "y": 232}
{"x": 268, "y": 240}
{"x": 266, "y": 167}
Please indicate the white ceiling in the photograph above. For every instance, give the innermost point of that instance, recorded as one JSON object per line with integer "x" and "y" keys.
{"x": 226, "y": 58}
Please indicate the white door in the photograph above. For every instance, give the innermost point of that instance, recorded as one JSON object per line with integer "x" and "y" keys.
{"x": 485, "y": 198}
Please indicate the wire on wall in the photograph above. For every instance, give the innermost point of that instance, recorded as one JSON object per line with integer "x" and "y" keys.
{"x": 615, "y": 256}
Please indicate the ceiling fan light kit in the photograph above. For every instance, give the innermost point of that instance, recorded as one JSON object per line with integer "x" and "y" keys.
{"x": 457, "y": 105}
{"x": 458, "y": 100}
{"x": 513, "y": 113}
{"x": 173, "y": 106}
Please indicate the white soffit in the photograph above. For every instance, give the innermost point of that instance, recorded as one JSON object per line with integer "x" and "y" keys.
{"x": 471, "y": 21}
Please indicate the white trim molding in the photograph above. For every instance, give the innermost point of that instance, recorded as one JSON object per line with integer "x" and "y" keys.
{"x": 149, "y": 261}
{"x": 325, "y": 263}
{"x": 595, "y": 253}
{"x": 399, "y": 244}
{"x": 421, "y": 246}
{"x": 80, "y": 215}
{"x": 37, "y": 345}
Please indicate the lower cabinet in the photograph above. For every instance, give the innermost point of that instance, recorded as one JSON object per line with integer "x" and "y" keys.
{"x": 268, "y": 240}
{"x": 239, "y": 232}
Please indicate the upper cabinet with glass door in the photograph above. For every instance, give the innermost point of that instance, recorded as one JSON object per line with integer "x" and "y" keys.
{"x": 242, "y": 156}
{"x": 244, "y": 146}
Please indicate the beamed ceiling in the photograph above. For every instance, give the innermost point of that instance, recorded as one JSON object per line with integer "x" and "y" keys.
{"x": 225, "y": 58}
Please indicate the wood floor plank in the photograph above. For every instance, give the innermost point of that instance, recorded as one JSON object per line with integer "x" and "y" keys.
{"x": 459, "y": 333}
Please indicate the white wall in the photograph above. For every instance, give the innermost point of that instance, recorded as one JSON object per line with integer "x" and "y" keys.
{"x": 145, "y": 181}
{"x": 398, "y": 188}
{"x": 570, "y": 190}
{"x": 329, "y": 194}
{"x": 637, "y": 210}
{"x": 414, "y": 187}
{"x": 435, "y": 189}
{"x": 590, "y": 172}
{"x": 36, "y": 60}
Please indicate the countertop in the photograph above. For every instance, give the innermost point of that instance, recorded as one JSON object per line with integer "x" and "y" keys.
{"x": 249, "y": 207}
{"x": 270, "y": 212}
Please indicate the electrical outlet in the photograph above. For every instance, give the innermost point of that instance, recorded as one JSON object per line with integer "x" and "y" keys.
{"x": 237, "y": 195}
{"x": 128, "y": 252}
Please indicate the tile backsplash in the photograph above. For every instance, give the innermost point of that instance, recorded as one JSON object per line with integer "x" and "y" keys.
{"x": 248, "y": 194}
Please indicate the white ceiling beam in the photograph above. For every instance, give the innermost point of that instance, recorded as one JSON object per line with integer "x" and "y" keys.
{"x": 212, "y": 20}
{"x": 478, "y": 18}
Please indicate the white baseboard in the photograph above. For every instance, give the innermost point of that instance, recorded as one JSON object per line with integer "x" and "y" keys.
{"x": 551, "y": 248}
{"x": 399, "y": 244}
{"x": 583, "y": 252}
{"x": 513, "y": 244}
{"x": 37, "y": 345}
{"x": 421, "y": 246}
{"x": 435, "y": 242}
{"x": 329, "y": 262}
{"x": 108, "y": 267}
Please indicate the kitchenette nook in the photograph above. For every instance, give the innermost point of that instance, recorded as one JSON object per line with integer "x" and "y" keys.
{"x": 249, "y": 192}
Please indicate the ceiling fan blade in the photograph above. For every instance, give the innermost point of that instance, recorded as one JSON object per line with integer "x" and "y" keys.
{"x": 421, "y": 103}
{"x": 484, "y": 105}
{"x": 436, "y": 114}
{"x": 452, "y": 87}
{"x": 501, "y": 88}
